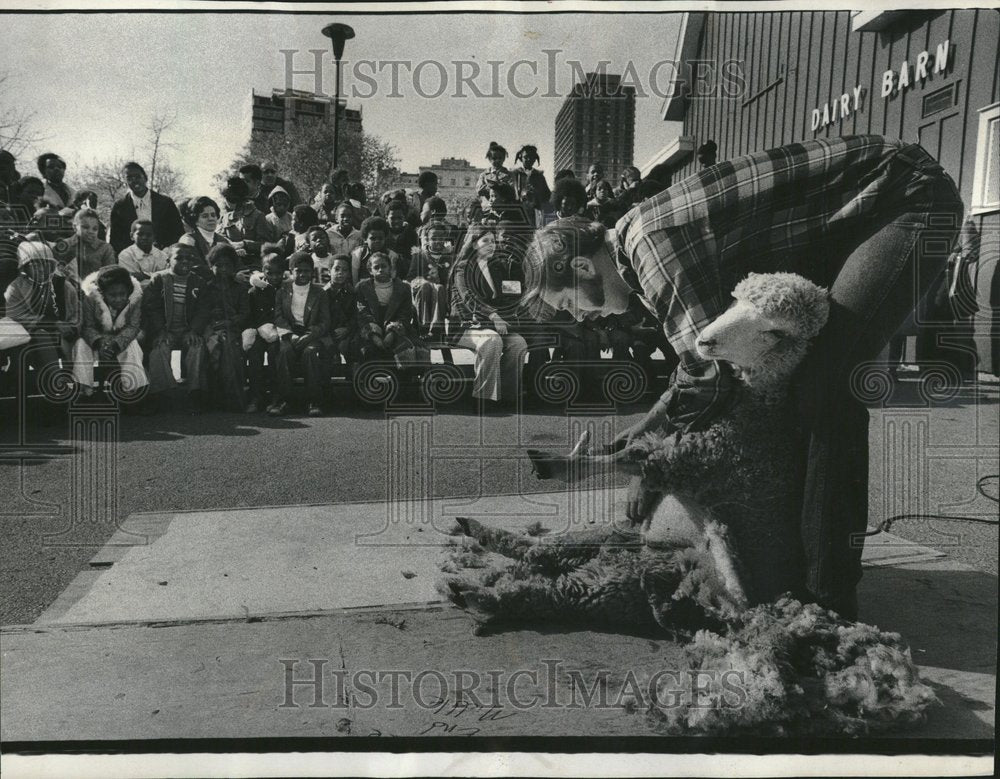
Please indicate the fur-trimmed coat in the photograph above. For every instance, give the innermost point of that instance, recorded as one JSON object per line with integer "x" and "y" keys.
{"x": 98, "y": 322}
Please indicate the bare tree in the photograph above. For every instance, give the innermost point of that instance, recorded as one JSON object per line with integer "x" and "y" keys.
{"x": 17, "y": 123}
{"x": 158, "y": 127}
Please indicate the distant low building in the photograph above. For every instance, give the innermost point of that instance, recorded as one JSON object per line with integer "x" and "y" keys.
{"x": 456, "y": 182}
{"x": 274, "y": 113}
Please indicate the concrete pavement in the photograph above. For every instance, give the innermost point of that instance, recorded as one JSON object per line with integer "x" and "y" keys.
{"x": 189, "y": 627}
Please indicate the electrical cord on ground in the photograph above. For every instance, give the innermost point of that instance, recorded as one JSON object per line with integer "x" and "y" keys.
{"x": 884, "y": 525}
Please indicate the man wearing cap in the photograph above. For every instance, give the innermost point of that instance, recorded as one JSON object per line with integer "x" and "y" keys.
{"x": 140, "y": 202}
{"x": 872, "y": 219}
{"x": 262, "y": 179}
{"x": 242, "y": 224}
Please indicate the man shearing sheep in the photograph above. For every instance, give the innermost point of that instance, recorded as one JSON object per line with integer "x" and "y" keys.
{"x": 871, "y": 219}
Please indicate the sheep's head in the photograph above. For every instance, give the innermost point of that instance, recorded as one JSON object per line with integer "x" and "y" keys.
{"x": 766, "y": 331}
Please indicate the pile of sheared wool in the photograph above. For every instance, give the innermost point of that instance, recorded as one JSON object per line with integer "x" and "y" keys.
{"x": 791, "y": 669}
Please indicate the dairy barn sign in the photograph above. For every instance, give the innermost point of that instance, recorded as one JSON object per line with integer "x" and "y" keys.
{"x": 909, "y": 74}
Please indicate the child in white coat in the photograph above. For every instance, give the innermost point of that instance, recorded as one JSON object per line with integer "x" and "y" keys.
{"x": 112, "y": 315}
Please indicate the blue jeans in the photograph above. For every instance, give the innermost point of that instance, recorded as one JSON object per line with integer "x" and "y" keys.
{"x": 875, "y": 279}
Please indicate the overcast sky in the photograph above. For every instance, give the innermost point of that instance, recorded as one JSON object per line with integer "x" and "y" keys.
{"x": 95, "y": 80}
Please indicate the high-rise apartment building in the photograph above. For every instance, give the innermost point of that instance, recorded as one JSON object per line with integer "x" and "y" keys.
{"x": 596, "y": 123}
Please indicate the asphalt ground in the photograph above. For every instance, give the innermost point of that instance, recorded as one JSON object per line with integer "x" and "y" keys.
{"x": 55, "y": 480}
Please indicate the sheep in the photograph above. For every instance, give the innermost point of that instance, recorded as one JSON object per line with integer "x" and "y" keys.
{"x": 720, "y": 551}
{"x": 724, "y": 534}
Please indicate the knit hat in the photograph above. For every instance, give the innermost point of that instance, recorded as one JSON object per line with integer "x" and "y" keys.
{"x": 237, "y": 190}
{"x": 33, "y": 250}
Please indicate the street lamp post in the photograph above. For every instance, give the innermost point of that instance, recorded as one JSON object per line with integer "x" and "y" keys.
{"x": 338, "y": 34}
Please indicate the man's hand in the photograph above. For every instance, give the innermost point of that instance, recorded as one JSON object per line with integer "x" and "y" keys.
{"x": 499, "y": 324}
{"x": 650, "y": 422}
{"x": 192, "y": 339}
{"x": 640, "y": 500}
{"x": 581, "y": 463}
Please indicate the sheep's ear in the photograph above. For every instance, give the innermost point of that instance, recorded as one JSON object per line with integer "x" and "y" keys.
{"x": 583, "y": 266}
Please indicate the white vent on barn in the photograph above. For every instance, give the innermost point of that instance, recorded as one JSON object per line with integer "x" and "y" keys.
{"x": 938, "y": 100}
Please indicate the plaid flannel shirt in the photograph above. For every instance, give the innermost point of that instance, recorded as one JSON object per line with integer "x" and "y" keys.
{"x": 687, "y": 248}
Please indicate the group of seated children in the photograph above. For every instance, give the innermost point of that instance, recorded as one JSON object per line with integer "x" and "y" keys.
{"x": 239, "y": 343}
{"x": 323, "y": 293}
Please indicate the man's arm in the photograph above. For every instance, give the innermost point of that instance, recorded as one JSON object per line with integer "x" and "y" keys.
{"x": 118, "y": 231}
{"x": 173, "y": 226}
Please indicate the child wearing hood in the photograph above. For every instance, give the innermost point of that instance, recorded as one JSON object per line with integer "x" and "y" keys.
{"x": 112, "y": 319}
{"x": 45, "y": 302}
{"x": 279, "y": 218}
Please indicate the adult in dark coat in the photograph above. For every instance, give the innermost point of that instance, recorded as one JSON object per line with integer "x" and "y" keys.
{"x": 265, "y": 177}
{"x": 167, "y": 225}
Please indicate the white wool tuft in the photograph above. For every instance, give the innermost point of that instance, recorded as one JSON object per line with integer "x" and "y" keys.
{"x": 788, "y": 296}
